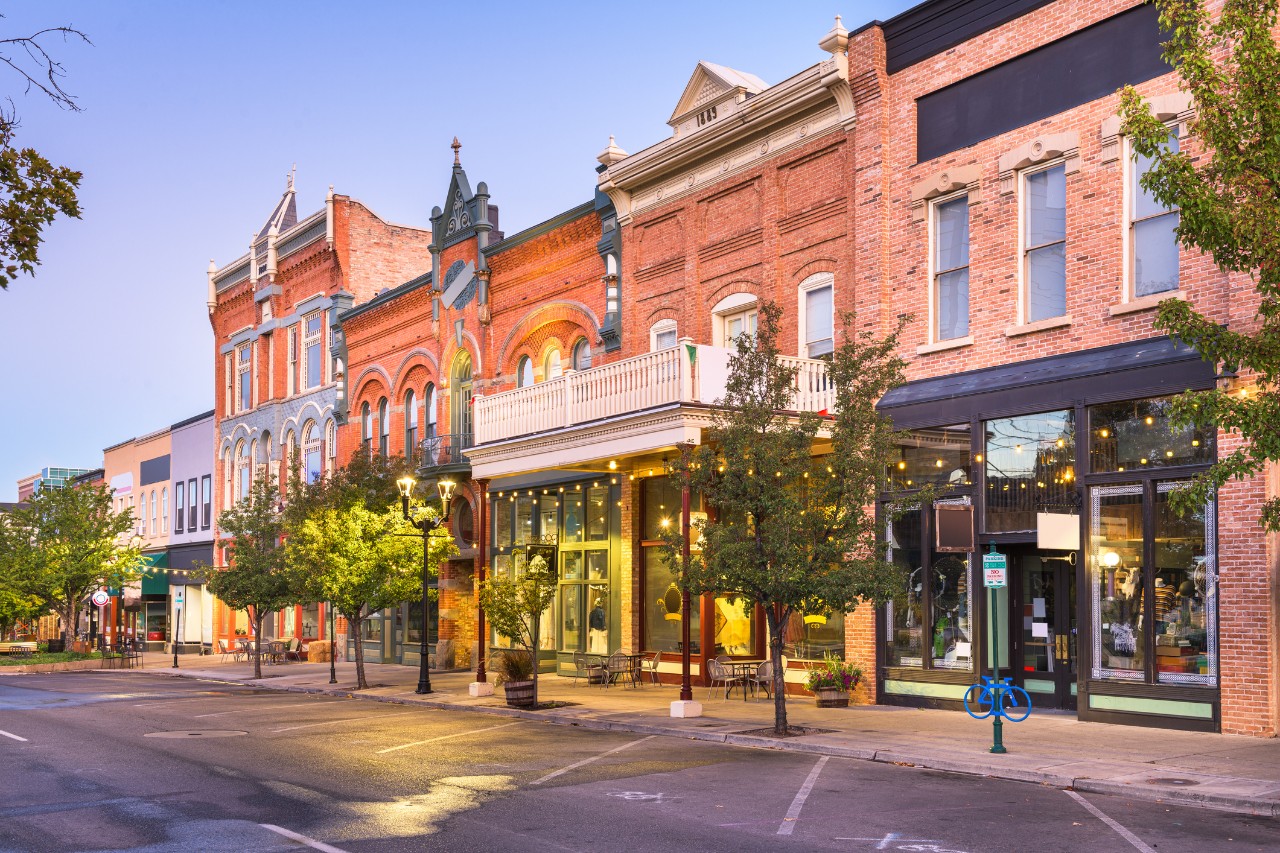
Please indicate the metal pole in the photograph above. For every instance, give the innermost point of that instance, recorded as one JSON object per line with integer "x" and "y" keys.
{"x": 481, "y": 676}
{"x": 333, "y": 647}
{"x": 424, "y": 673}
{"x": 686, "y": 683}
{"x": 177, "y": 632}
{"x": 997, "y": 724}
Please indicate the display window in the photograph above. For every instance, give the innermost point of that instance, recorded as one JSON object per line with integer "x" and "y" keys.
{"x": 1030, "y": 462}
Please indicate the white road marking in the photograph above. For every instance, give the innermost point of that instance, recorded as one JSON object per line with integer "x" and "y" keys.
{"x": 302, "y": 839}
{"x": 15, "y": 737}
{"x": 1123, "y": 833}
{"x": 445, "y": 737}
{"x": 895, "y": 838}
{"x": 789, "y": 822}
{"x": 311, "y": 704}
{"x": 333, "y": 722}
{"x": 577, "y": 764}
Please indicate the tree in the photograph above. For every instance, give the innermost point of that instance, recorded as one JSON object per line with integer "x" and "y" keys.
{"x": 15, "y": 609}
{"x": 33, "y": 191}
{"x": 1229, "y": 202}
{"x": 63, "y": 545}
{"x": 362, "y": 561}
{"x": 514, "y": 607}
{"x": 794, "y": 532}
{"x": 257, "y": 577}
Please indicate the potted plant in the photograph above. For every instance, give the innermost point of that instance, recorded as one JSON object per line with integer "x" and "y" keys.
{"x": 832, "y": 681}
{"x": 515, "y": 674}
{"x": 515, "y": 606}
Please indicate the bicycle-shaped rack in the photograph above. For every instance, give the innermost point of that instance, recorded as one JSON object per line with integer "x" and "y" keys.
{"x": 998, "y": 698}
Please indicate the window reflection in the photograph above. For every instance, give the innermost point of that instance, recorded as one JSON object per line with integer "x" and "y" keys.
{"x": 935, "y": 456}
{"x": 1184, "y": 600}
{"x": 905, "y": 612}
{"x": 1030, "y": 465}
{"x": 1117, "y": 546}
{"x": 1137, "y": 434}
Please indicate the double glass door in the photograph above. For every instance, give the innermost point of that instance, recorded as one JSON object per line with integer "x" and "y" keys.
{"x": 1043, "y": 625}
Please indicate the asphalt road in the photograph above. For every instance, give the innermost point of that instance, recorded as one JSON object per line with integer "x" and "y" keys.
{"x": 128, "y": 761}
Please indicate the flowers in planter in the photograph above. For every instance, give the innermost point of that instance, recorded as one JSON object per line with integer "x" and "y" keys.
{"x": 833, "y": 674}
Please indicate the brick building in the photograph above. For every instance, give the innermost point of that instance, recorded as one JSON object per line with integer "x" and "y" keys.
{"x": 272, "y": 311}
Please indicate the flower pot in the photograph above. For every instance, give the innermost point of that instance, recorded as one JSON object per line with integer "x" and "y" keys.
{"x": 832, "y": 697}
{"x": 519, "y": 693}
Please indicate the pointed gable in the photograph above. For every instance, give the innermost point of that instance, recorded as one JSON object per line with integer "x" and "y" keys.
{"x": 712, "y": 85}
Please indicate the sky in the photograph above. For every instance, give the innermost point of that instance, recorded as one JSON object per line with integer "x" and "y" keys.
{"x": 194, "y": 113}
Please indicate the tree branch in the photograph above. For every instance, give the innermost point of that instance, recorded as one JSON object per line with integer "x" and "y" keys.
{"x": 46, "y": 66}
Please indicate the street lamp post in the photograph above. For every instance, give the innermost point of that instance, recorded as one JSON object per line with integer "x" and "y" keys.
{"x": 427, "y": 525}
{"x": 333, "y": 647}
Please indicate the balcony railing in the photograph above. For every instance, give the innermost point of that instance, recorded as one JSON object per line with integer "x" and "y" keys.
{"x": 686, "y": 373}
{"x": 447, "y": 449}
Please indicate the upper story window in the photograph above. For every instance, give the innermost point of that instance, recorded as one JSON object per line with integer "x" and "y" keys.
{"x": 228, "y": 377}
{"x": 551, "y": 366}
{"x": 950, "y": 225}
{"x": 817, "y": 316}
{"x": 410, "y": 422}
{"x": 524, "y": 372}
{"x": 244, "y": 376}
{"x": 582, "y": 355}
{"x": 179, "y": 506}
{"x": 384, "y": 427}
{"x": 243, "y": 470}
{"x": 331, "y": 447}
{"x": 153, "y": 512}
{"x": 206, "y": 486}
{"x": 291, "y": 378}
{"x": 1045, "y": 242}
{"x": 460, "y": 395}
{"x": 429, "y": 411}
{"x": 733, "y": 317}
{"x": 164, "y": 510}
{"x": 312, "y": 460}
{"x": 191, "y": 505}
{"x": 662, "y": 335}
{"x": 312, "y": 326}
{"x": 1152, "y": 233}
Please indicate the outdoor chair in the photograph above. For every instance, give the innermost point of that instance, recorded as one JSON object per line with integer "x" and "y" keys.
{"x": 133, "y": 655}
{"x": 651, "y": 668}
{"x": 763, "y": 678}
{"x": 618, "y": 668}
{"x": 583, "y": 667}
{"x": 227, "y": 651}
{"x": 293, "y": 651}
{"x": 722, "y": 676}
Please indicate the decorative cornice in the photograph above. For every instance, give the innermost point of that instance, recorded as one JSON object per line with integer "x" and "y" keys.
{"x": 239, "y": 269}
{"x": 944, "y": 183}
{"x": 1176, "y": 107}
{"x": 1051, "y": 146}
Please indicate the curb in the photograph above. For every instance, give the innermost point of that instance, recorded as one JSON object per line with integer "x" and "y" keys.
{"x": 1269, "y": 807}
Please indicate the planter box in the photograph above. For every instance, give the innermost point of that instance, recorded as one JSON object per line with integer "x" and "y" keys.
{"x": 832, "y": 698}
{"x": 519, "y": 693}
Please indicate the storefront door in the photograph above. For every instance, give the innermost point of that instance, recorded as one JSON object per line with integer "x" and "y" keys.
{"x": 1044, "y": 626}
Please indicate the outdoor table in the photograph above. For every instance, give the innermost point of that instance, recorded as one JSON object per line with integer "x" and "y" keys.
{"x": 744, "y": 670}
{"x": 635, "y": 662}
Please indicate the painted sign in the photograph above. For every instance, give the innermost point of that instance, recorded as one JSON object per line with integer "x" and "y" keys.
{"x": 100, "y": 599}
{"x": 995, "y": 571}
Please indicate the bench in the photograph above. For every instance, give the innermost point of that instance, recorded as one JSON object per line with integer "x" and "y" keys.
{"x": 23, "y": 649}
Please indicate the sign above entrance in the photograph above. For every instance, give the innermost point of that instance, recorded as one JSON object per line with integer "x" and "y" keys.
{"x": 1057, "y": 531}
{"x": 995, "y": 571}
{"x": 100, "y": 599}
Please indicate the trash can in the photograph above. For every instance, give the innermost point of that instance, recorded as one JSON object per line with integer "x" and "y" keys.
{"x": 56, "y": 646}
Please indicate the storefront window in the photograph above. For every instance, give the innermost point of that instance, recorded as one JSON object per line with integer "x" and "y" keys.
{"x": 936, "y": 456}
{"x": 905, "y": 615}
{"x": 502, "y": 510}
{"x": 662, "y": 599}
{"x": 1137, "y": 435}
{"x": 1030, "y": 464}
{"x": 372, "y": 629}
{"x": 812, "y": 636}
{"x": 548, "y": 515}
{"x": 950, "y": 608}
{"x": 598, "y": 619}
{"x": 597, "y": 514}
{"x": 1118, "y": 584}
{"x": 1184, "y": 600}
{"x": 311, "y": 621}
{"x": 571, "y": 566}
{"x": 572, "y": 518}
{"x": 735, "y": 625}
{"x": 524, "y": 519}
{"x": 413, "y": 628}
{"x": 597, "y": 565}
{"x": 571, "y": 618}
{"x": 661, "y": 508}
{"x": 290, "y": 622}
{"x": 157, "y": 624}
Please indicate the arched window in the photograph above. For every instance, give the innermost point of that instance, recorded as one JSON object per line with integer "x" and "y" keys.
{"x": 551, "y": 367}
{"x": 331, "y": 447}
{"x": 366, "y": 431}
{"x": 582, "y": 355}
{"x": 290, "y": 452}
{"x": 460, "y": 397}
{"x": 228, "y": 478}
{"x": 164, "y": 510}
{"x": 662, "y": 335}
{"x": 524, "y": 372}
{"x": 384, "y": 427}
{"x": 410, "y": 424}
{"x": 429, "y": 409}
{"x": 311, "y": 469}
{"x": 242, "y": 471}
{"x": 254, "y": 469}
{"x": 153, "y": 512}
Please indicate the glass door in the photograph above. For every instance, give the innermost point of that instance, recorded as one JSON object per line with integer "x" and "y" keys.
{"x": 1044, "y": 626}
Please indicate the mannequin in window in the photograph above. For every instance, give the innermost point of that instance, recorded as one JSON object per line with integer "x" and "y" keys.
{"x": 597, "y": 629}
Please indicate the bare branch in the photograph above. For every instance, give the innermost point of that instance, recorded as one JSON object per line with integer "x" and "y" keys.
{"x": 27, "y": 56}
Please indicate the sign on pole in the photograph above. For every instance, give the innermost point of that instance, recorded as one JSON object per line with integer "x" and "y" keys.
{"x": 995, "y": 571}
{"x": 178, "y": 594}
{"x": 100, "y": 599}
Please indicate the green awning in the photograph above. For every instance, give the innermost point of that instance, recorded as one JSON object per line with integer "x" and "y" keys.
{"x": 155, "y": 581}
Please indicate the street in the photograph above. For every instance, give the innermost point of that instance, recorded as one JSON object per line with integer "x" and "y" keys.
{"x": 127, "y": 761}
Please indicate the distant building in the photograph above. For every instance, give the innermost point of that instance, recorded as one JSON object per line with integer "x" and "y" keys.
{"x": 48, "y": 478}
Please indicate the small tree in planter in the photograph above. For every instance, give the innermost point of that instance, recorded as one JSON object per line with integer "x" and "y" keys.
{"x": 514, "y": 607}
{"x": 832, "y": 681}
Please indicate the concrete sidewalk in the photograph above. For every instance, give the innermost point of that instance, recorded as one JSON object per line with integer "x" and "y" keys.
{"x": 1231, "y": 772}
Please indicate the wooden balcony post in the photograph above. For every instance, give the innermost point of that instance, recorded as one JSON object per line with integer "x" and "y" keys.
{"x": 688, "y": 358}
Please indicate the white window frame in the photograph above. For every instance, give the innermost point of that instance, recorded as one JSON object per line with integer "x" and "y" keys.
{"x": 552, "y": 364}
{"x": 430, "y": 421}
{"x": 1024, "y": 278}
{"x": 308, "y": 340}
{"x": 660, "y": 328}
{"x": 244, "y": 377}
{"x": 817, "y": 281}
{"x": 580, "y": 355}
{"x": 744, "y": 305}
{"x": 229, "y": 376}
{"x": 291, "y": 378}
{"x": 153, "y": 512}
{"x": 180, "y": 504}
{"x": 164, "y": 510}
{"x": 934, "y": 272}
{"x": 1128, "y": 168}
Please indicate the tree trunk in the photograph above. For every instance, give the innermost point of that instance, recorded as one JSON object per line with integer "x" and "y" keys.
{"x": 68, "y": 627}
{"x": 354, "y": 623}
{"x": 533, "y": 655}
{"x": 779, "y": 676}
{"x": 257, "y": 643}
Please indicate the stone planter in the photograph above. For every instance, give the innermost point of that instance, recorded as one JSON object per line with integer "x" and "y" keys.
{"x": 519, "y": 693}
{"x": 832, "y": 697}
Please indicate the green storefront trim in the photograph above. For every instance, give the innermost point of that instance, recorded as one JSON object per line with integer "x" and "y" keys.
{"x": 926, "y": 689}
{"x": 1164, "y": 707}
{"x": 155, "y": 582}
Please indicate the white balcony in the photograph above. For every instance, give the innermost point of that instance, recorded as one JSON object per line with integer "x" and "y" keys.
{"x": 685, "y": 374}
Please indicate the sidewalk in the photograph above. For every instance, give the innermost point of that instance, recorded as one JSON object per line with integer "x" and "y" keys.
{"x": 1240, "y": 774}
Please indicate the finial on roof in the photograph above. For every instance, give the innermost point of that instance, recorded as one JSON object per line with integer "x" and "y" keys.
{"x": 289, "y": 179}
{"x": 456, "y": 146}
{"x": 836, "y": 40}
{"x": 612, "y": 153}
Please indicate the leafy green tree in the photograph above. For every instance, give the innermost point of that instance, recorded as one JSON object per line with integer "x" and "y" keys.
{"x": 33, "y": 191}
{"x": 514, "y": 607}
{"x": 15, "y": 609}
{"x": 1228, "y": 195}
{"x": 63, "y": 545}
{"x": 257, "y": 577}
{"x": 794, "y": 528}
{"x": 362, "y": 561}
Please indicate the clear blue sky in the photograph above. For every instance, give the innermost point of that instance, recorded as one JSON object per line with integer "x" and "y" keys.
{"x": 194, "y": 113}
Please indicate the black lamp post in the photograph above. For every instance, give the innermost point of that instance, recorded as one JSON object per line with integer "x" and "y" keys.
{"x": 333, "y": 647}
{"x": 427, "y": 525}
